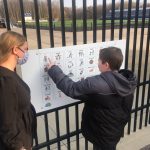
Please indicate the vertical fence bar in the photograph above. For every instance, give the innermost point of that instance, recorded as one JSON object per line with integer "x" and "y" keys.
{"x": 134, "y": 49}
{"x": 139, "y": 64}
{"x": 62, "y": 23}
{"x": 84, "y": 22}
{"x": 37, "y": 24}
{"x": 57, "y": 129}
{"x": 6, "y": 14}
{"x": 149, "y": 112}
{"x": 144, "y": 80}
{"x": 50, "y": 22}
{"x": 135, "y": 35}
{"x": 148, "y": 102}
{"x": 68, "y": 129}
{"x": 86, "y": 145}
{"x": 148, "y": 96}
{"x": 74, "y": 22}
{"x": 121, "y": 19}
{"x": 104, "y": 21}
{"x": 22, "y": 18}
{"x": 77, "y": 126}
{"x": 46, "y": 130}
{"x": 128, "y": 33}
{"x": 112, "y": 19}
{"x": 143, "y": 91}
{"x": 36, "y": 140}
{"x": 127, "y": 46}
{"x": 94, "y": 20}
{"x": 129, "y": 126}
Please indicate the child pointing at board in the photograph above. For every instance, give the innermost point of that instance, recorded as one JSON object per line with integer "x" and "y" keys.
{"x": 108, "y": 98}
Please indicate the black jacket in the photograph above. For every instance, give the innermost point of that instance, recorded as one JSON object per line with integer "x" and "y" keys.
{"x": 108, "y": 101}
{"x": 17, "y": 115}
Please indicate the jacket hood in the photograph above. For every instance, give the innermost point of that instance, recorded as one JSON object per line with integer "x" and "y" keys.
{"x": 123, "y": 82}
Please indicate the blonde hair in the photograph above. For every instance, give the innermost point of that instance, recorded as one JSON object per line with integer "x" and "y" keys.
{"x": 8, "y": 40}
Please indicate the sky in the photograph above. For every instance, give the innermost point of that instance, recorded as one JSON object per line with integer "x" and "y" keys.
{"x": 79, "y": 3}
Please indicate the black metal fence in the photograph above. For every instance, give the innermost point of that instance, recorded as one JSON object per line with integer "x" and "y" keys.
{"x": 137, "y": 59}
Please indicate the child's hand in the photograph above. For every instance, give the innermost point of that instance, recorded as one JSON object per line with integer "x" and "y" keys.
{"x": 50, "y": 63}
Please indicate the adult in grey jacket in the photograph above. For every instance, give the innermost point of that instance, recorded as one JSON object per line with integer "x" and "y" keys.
{"x": 108, "y": 98}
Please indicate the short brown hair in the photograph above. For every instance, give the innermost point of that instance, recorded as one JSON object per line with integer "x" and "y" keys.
{"x": 113, "y": 56}
{"x": 8, "y": 40}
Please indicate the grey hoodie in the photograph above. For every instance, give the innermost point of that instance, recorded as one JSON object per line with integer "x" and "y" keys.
{"x": 122, "y": 83}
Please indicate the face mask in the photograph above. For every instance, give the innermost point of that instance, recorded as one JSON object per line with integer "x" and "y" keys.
{"x": 23, "y": 60}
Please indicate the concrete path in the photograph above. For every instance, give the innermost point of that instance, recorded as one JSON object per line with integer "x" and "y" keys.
{"x": 136, "y": 141}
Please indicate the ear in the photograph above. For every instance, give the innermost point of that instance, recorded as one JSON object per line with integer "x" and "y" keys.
{"x": 107, "y": 65}
{"x": 15, "y": 50}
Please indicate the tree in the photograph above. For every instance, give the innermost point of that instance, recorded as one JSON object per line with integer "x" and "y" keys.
{"x": 90, "y": 12}
{"x": 43, "y": 10}
{"x": 79, "y": 13}
{"x": 14, "y": 13}
{"x": 68, "y": 13}
{"x": 1, "y": 10}
{"x": 99, "y": 11}
{"x": 148, "y": 4}
{"x": 56, "y": 9}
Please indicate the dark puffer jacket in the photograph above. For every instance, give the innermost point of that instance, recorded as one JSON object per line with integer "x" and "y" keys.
{"x": 108, "y": 101}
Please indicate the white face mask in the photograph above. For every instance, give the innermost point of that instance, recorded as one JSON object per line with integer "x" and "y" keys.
{"x": 23, "y": 60}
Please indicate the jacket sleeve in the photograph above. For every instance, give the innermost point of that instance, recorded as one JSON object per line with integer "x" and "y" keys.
{"x": 75, "y": 89}
{"x": 9, "y": 132}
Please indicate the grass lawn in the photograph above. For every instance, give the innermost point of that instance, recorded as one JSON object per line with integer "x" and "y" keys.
{"x": 79, "y": 23}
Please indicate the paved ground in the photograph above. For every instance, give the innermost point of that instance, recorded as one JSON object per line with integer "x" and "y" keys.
{"x": 135, "y": 141}
{"x": 138, "y": 140}
{"x": 45, "y": 38}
